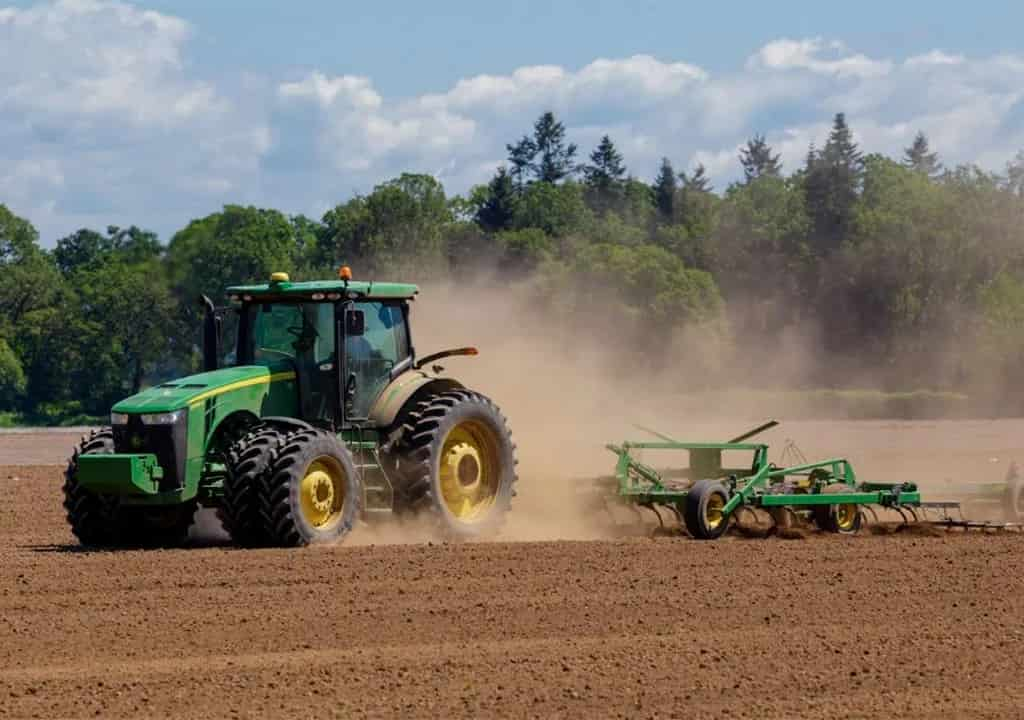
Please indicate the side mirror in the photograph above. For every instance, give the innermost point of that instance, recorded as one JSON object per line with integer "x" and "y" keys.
{"x": 211, "y": 335}
{"x": 355, "y": 323}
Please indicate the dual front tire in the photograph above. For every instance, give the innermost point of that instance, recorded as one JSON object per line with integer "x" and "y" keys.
{"x": 289, "y": 488}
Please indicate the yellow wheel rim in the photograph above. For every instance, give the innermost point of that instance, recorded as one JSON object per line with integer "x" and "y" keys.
{"x": 469, "y": 471}
{"x": 322, "y": 492}
{"x": 846, "y": 517}
{"x": 713, "y": 514}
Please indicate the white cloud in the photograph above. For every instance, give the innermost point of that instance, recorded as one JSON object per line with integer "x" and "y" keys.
{"x": 808, "y": 54}
{"x": 104, "y": 118}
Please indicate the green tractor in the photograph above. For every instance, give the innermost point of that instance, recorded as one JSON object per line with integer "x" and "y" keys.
{"x": 321, "y": 415}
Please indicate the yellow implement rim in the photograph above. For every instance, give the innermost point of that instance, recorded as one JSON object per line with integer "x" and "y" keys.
{"x": 713, "y": 515}
{"x": 846, "y": 517}
{"x": 469, "y": 471}
{"x": 322, "y": 492}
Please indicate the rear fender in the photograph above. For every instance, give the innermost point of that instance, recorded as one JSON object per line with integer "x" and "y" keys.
{"x": 401, "y": 392}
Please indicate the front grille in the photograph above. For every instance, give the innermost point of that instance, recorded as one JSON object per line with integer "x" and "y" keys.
{"x": 167, "y": 442}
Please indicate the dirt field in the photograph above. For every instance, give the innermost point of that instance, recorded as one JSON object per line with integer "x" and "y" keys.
{"x": 870, "y": 626}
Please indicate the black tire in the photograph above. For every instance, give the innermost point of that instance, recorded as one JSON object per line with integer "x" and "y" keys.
{"x": 99, "y": 520}
{"x": 92, "y": 517}
{"x": 698, "y": 511}
{"x": 285, "y": 522}
{"x": 840, "y": 519}
{"x": 491, "y": 477}
{"x": 248, "y": 460}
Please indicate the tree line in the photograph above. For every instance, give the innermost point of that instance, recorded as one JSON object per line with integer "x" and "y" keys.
{"x": 897, "y": 273}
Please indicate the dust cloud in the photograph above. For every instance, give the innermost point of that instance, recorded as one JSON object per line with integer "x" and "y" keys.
{"x": 569, "y": 390}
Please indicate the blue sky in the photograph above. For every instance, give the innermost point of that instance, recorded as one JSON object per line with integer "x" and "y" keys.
{"x": 154, "y": 113}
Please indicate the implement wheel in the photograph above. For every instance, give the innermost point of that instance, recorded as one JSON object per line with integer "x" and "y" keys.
{"x": 457, "y": 462}
{"x": 841, "y": 519}
{"x": 703, "y": 513}
{"x": 248, "y": 460}
{"x": 310, "y": 494}
{"x": 92, "y": 517}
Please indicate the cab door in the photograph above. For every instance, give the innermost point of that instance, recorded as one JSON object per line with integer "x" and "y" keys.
{"x": 371, "y": 358}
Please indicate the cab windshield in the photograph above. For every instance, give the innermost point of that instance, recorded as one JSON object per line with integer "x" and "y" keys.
{"x": 287, "y": 332}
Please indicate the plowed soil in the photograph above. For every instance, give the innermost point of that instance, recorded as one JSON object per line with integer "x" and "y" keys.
{"x": 892, "y": 626}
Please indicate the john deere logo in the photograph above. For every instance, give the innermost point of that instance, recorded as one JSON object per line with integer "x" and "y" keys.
{"x": 135, "y": 442}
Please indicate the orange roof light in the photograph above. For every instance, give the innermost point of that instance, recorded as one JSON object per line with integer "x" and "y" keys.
{"x": 345, "y": 272}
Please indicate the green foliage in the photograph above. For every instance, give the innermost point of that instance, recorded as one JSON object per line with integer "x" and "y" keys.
{"x": 398, "y": 229}
{"x": 654, "y": 287}
{"x": 496, "y": 203}
{"x": 897, "y": 273}
{"x": 556, "y": 209}
{"x": 12, "y": 377}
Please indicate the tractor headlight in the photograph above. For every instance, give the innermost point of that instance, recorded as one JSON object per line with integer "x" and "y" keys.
{"x": 117, "y": 418}
{"x": 165, "y": 418}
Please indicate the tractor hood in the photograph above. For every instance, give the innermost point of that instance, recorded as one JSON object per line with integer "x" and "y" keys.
{"x": 181, "y": 393}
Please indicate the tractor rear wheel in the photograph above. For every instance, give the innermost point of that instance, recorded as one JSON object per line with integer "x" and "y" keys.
{"x": 311, "y": 492}
{"x": 703, "y": 512}
{"x": 92, "y": 517}
{"x": 457, "y": 462}
{"x": 842, "y": 519}
{"x": 248, "y": 459}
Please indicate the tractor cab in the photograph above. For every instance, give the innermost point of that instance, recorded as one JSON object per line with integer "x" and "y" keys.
{"x": 343, "y": 341}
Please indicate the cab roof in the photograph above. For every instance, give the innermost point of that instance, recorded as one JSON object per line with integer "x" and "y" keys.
{"x": 360, "y": 288}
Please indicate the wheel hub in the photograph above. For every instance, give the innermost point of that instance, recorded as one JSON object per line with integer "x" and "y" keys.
{"x": 321, "y": 491}
{"x": 464, "y": 461}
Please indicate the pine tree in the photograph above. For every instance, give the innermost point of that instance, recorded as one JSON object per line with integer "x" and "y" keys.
{"x": 919, "y": 158}
{"x": 606, "y": 171}
{"x": 556, "y": 157}
{"x": 832, "y": 183}
{"x": 698, "y": 182}
{"x": 758, "y": 161}
{"x": 520, "y": 157}
{"x": 545, "y": 157}
{"x": 498, "y": 210}
{"x": 665, "y": 190}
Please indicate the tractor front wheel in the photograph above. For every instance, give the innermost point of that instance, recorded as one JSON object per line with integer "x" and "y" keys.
{"x": 457, "y": 462}
{"x": 703, "y": 512}
{"x": 92, "y": 517}
{"x": 247, "y": 462}
{"x": 311, "y": 493}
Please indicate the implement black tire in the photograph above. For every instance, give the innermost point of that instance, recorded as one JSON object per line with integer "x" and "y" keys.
{"x": 311, "y": 493}
{"x": 248, "y": 460}
{"x": 92, "y": 517}
{"x": 840, "y": 519}
{"x": 703, "y": 499}
{"x": 470, "y": 496}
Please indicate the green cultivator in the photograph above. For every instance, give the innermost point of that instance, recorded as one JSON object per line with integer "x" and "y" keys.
{"x": 733, "y": 483}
